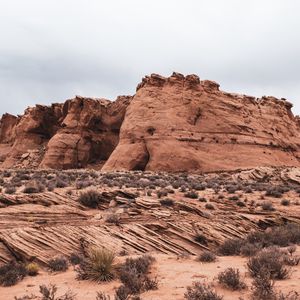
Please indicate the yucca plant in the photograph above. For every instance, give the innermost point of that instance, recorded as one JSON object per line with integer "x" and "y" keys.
{"x": 98, "y": 265}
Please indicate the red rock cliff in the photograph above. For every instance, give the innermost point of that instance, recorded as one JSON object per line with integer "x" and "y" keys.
{"x": 172, "y": 124}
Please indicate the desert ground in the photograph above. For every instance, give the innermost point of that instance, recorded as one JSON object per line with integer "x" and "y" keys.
{"x": 174, "y": 218}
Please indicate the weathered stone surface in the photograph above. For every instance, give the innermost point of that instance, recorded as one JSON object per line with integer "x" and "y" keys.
{"x": 182, "y": 124}
{"x": 177, "y": 123}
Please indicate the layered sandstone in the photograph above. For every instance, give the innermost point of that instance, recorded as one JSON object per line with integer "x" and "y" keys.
{"x": 177, "y": 123}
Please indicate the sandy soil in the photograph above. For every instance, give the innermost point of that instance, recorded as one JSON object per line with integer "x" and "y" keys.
{"x": 174, "y": 275}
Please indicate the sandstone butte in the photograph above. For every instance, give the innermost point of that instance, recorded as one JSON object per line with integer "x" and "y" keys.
{"x": 174, "y": 124}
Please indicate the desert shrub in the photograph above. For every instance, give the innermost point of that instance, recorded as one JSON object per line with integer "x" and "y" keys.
{"x": 207, "y": 256}
{"x": 234, "y": 198}
{"x": 80, "y": 184}
{"x": 248, "y": 249}
{"x": 201, "y": 291}
{"x": 281, "y": 236}
{"x": 10, "y": 190}
{"x": 75, "y": 258}
{"x": 291, "y": 260}
{"x": 167, "y": 202}
{"x": 49, "y": 293}
{"x": 133, "y": 274}
{"x": 102, "y": 296}
{"x": 32, "y": 269}
{"x": 270, "y": 260}
{"x": 209, "y": 206}
{"x": 231, "y": 279}
{"x": 61, "y": 183}
{"x": 58, "y": 264}
{"x": 285, "y": 202}
{"x": 202, "y": 199}
{"x": 162, "y": 193}
{"x": 240, "y": 204}
{"x": 98, "y": 265}
{"x": 263, "y": 286}
{"x": 274, "y": 192}
{"x": 90, "y": 198}
{"x": 33, "y": 187}
{"x": 200, "y": 238}
{"x": 12, "y": 273}
{"x": 268, "y": 206}
{"x": 231, "y": 247}
{"x": 191, "y": 194}
{"x": 113, "y": 219}
{"x": 122, "y": 293}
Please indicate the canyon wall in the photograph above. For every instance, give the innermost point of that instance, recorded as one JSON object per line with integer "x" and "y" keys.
{"x": 179, "y": 123}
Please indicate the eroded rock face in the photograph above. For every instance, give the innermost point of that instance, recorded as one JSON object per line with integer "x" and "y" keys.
{"x": 89, "y": 133}
{"x": 183, "y": 124}
{"x": 177, "y": 123}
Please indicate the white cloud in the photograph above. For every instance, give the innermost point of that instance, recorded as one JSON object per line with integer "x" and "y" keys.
{"x": 53, "y": 49}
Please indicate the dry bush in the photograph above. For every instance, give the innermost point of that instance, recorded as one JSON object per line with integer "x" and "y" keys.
{"x": 200, "y": 238}
{"x": 133, "y": 274}
{"x": 49, "y": 293}
{"x": 58, "y": 264}
{"x": 207, "y": 256}
{"x": 209, "y": 206}
{"x": 12, "y": 273}
{"x": 231, "y": 247}
{"x": 98, "y": 265}
{"x": 33, "y": 187}
{"x": 75, "y": 258}
{"x": 231, "y": 279}
{"x": 285, "y": 202}
{"x": 267, "y": 206}
{"x": 10, "y": 190}
{"x": 90, "y": 198}
{"x": 270, "y": 260}
{"x": 167, "y": 202}
{"x": 191, "y": 195}
{"x": 248, "y": 249}
{"x": 263, "y": 286}
{"x": 102, "y": 296}
{"x": 201, "y": 291}
{"x": 113, "y": 219}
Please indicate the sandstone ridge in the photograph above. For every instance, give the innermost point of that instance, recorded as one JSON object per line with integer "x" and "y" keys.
{"x": 177, "y": 123}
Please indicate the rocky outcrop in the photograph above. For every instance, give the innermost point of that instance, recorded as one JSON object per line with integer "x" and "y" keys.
{"x": 181, "y": 124}
{"x": 177, "y": 123}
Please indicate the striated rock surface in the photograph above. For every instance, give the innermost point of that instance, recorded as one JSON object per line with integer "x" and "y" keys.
{"x": 181, "y": 124}
{"x": 177, "y": 123}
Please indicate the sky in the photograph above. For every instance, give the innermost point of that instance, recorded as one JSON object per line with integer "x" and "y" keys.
{"x": 51, "y": 50}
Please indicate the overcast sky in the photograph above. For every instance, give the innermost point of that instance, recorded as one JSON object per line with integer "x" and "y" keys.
{"x": 51, "y": 50}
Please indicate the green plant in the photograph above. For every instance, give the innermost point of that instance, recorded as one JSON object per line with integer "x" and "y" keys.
{"x": 98, "y": 265}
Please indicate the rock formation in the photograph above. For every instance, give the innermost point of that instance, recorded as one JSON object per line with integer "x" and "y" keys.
{"x": 177, "y": 123}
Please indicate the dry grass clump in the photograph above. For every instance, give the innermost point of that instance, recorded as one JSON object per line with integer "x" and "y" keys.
{"x": 98, "y": 265}
{"x": 201, "y": 291}
{"x": 209, "y": 206}
{"x": 285, "y": 202}
{"x": 200, "y": 238}
{"x": 32, "y": 269}
{"x": 58, "y": 264}
{"x": 191, "y": 195}
{"x": 207, "y": 256}
{"x": 90, "y": 198}
{"x": 113, "y": 219}
{"x": 231, "y": 279}
{"x": 12, "y": 273}
{"x": 10, "y": 190}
